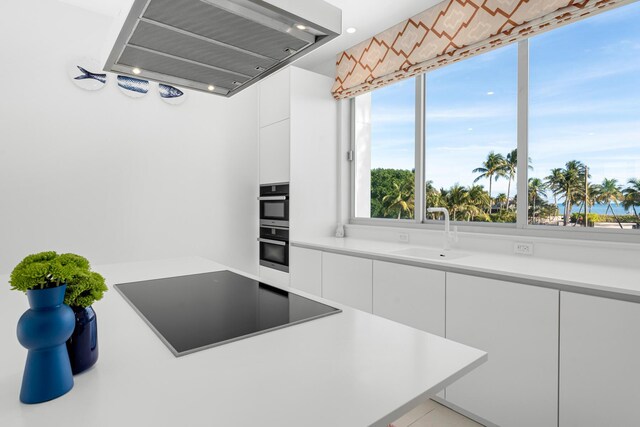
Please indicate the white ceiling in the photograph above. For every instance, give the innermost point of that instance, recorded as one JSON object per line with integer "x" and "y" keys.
{"x": 104, "y": 7}
{"x": 369, "y": 17}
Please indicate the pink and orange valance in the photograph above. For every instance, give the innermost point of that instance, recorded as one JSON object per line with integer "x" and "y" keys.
{"x": 448, "y": 32}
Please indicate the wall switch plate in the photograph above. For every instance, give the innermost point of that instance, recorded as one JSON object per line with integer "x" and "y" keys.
{"x": 403, "y": 237}
{"x": 523, "y": 248}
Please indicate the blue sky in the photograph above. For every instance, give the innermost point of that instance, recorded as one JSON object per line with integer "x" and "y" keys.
{"x": 584, "y": 105}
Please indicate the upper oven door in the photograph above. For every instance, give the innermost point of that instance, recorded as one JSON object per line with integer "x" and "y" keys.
{"x": 276, "y": 209}
{"x": 274, "y": 205}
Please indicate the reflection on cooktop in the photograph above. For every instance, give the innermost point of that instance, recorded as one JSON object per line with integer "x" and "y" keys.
{"x": 191, "y": 313}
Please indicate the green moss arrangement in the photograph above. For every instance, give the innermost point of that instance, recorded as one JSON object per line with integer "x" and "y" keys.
{"x": 49, "y": 269}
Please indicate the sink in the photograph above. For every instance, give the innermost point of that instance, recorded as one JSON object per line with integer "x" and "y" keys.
{"x": 426, "y": 253}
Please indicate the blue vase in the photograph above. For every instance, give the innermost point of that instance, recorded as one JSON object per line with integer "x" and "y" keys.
{"x": 83, "y": 344}
{"x": 43, "y": 330}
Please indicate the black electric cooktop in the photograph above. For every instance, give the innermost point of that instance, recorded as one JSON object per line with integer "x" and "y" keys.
{"x": 191, "y": 313}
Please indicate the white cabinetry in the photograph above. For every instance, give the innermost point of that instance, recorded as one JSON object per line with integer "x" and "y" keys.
{"x": 306, "y": 270}
{"x": 298, "y": 145}
{"x": 274, "y": 153}
{"x": 347, "y": 280}
{"x": 274, "y": 277}
{"x": 314, "y": 155}
{"x": 518, "y": 326}
{"x": 411, "y": 295}
{"x": 275, "y": 93}
{"x": 599, "y": 354}
{"x": 555, "y": 358}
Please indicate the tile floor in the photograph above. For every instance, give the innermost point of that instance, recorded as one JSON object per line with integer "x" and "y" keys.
{"x": 433, "y": 414}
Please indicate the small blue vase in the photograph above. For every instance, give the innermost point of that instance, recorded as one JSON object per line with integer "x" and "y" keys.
{"x": 43, "y": 330}
{"x": 83, "y": 344}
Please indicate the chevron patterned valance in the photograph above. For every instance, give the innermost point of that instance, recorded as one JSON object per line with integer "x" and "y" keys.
{"x": 447, "y": 32}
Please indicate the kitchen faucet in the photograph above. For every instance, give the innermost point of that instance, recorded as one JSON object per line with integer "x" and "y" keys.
{"x": 447, "y": 231}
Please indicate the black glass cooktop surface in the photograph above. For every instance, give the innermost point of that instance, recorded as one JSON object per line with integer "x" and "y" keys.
{"x": 191, "y": 313}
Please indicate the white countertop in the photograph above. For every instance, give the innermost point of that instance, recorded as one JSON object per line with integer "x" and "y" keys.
{"x": 349, "y": 369}
{"x": 597, "y": 279}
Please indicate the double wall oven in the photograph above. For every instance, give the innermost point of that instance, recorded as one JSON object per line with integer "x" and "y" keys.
{"x": 274, "y": 226}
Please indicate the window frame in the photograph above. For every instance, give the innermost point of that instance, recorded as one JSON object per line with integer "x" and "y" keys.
{"x": 521, "y": 227}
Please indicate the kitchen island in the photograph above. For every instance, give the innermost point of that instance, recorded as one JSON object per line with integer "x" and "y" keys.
{"x": 349, "y": 369}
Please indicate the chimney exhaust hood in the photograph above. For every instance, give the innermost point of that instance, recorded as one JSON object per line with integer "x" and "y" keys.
{"x": 217, "y": 46}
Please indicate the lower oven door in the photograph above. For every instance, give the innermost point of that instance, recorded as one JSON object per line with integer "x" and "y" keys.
{"x": 274, "y": 254}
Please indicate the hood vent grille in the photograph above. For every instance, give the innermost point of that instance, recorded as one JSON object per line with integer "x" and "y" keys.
{"x": 221, "y": 43}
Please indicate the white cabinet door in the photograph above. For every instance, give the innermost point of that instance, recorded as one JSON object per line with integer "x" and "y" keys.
{"x": 274, "y": 153}
{"x": 314, "y": 163}
{"x": 599, "y": 354}
{"x": 274, "y": 277}
{"x": 518, "y": 326}
{"x": 347, "y": 280}
{"x": 410, "y": 295}
{"x": 275, "y": 98}
{"x": 305, "y": 268}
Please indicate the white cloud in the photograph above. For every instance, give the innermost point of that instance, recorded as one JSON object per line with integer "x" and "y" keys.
{"x": 562, "y": 107}
{"x": 476, "y": 113}
{"x": 598, "y": 70}
{"x": 393, "y": 115}
{"x": 472, "y": 150}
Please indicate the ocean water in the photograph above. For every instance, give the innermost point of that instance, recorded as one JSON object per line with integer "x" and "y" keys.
{"x": 599, "y": 209}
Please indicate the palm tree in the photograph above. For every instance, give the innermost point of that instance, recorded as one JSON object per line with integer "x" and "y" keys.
{"x": 443, "y": 201}
{"x": 609, "y": 192}
{"x": 401, "y": 198}
{"x": 547, "y": 210}
{"x": 510, "y": 168}
{"x": 433, "y": 197}
{"x": 537, "y": 189}
{"x": 553, "y": 182}
{"x": 632, "y": 197}
{"x": 478, "y": 199}
{"x": 457, "y": 200}
{"x": 492, "y": 168}
{"x": 568, "y": 183}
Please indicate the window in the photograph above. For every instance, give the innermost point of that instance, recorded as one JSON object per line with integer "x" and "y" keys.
{"x": 581, "y": 134}
{"x": 584, "y": 123}
{"x": 385, "y": 152}
{"x": 471, "y": 137}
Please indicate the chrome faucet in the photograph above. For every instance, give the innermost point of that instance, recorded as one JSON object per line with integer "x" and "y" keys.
{"x": 447, "y": 229}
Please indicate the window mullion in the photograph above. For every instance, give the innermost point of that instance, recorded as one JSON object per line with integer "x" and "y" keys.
{"x": 523, "y": 134}
{"x": 352, "y": 166}
{"x": 419, "y": 196}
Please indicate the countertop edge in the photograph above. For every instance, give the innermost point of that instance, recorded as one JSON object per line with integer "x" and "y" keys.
{"x": 452, "y": 267}
{"x": 428, "y": 394}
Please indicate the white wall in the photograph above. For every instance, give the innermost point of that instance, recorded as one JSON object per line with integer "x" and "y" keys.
{"x": 110, "y": 177}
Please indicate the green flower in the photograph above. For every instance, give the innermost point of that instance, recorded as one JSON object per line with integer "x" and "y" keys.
{"x": 48, "y": 270}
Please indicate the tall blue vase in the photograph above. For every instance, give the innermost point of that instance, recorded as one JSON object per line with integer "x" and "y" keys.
{"x": 44, "y": 330}
{"x": 83, "y": 344}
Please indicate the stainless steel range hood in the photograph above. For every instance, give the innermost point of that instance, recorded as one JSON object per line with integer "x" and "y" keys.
{"x": 217, "y": 46}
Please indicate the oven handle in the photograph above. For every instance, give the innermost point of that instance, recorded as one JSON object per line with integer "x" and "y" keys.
{"x": 272, "y": 198}
{"x": 272, "y": 242}
{"x": 274, "y": 227}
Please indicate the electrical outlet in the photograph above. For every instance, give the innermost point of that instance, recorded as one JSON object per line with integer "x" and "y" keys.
{"x": 403, "y": 237}
{"x": 523, "y": 248}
